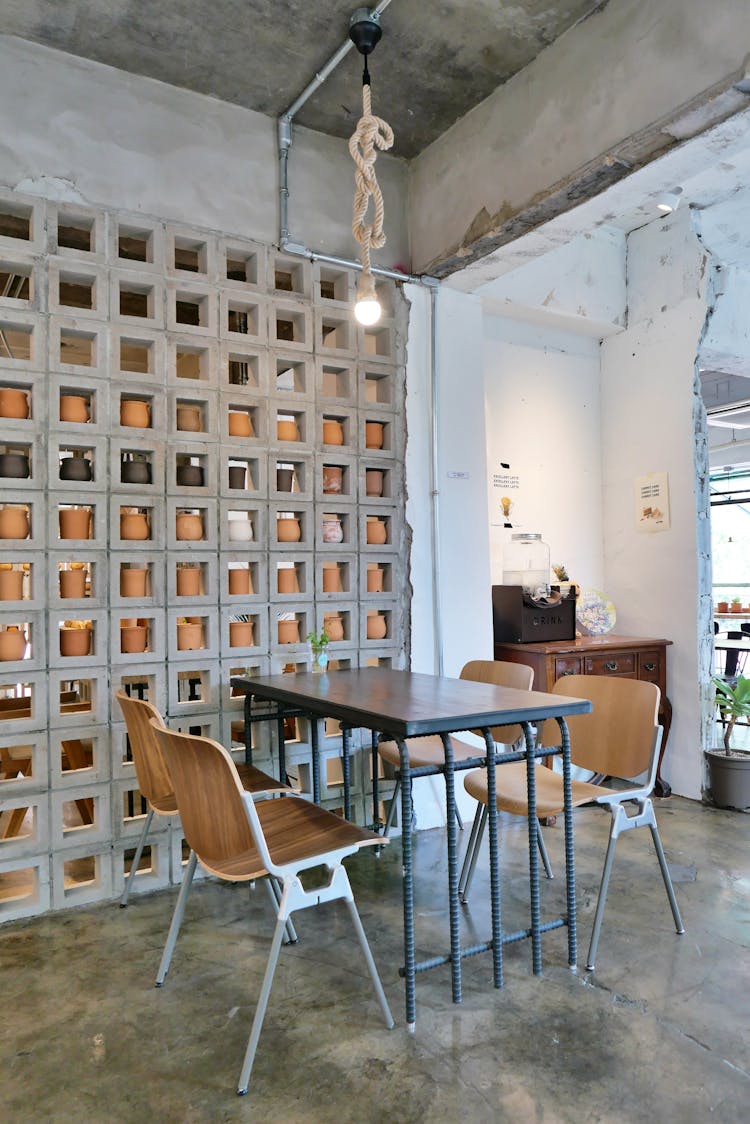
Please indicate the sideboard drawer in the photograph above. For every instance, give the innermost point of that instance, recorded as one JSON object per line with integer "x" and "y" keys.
{"x": 611, "y": 663}
{"x": 567, "y": 665}
{"x": 649, "y": 667}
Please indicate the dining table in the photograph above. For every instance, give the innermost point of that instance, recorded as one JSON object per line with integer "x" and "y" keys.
{"x": 400, "y": 705}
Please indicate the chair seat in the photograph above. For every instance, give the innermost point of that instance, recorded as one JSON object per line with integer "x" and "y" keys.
{"x": 255, "y": 780}
{"x": 427, "y": 751}
{"x": 510, "y": 781}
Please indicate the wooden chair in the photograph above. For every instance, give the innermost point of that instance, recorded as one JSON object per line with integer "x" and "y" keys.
{"x": 154, "y": 781}
{"x": 620, "y": 738}
{"x": 429, "y": 751}
{"x": 238, "y": 840}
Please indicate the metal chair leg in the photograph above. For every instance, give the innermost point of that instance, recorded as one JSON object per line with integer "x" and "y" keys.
{"x": 469, "y": 849}
{"x": 667, "y": 878}
{"x": 179, "y": 910}
{"x": 260, "y": 1010}
{"x": 370, "y": 963}
{"x": 136, "y": 859}
{"x": 459, "y": 820}
{"x": 274, "y": 891}
{"x": 464, "y": 895}
{"x": 392, "y": 810}
{"x": 543, "y": 851}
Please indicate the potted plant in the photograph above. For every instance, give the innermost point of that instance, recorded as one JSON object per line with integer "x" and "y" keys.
{"x": 722, "y": 606}
{"x": 318, "y": 642}
{"x": 729, "y": 770}
{"x": 736, "y": 605}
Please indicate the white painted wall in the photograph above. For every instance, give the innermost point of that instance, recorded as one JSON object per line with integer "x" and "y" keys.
{"x": 78, "y": 130}
{"x": 543, "y": 418}
{"x": 647, "y": 375}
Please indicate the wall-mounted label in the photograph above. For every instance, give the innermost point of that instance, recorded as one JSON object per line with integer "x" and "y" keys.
{"x": 458, "y": 475}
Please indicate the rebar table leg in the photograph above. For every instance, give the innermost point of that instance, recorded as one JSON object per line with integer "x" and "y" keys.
{"x": 375, "y": 791}
{"x": 570, "y": 876}
{"x": 248, "y": 729}
{"x": 315, "y": 740}
{"x": 346, "y": 734}
{"x": 497, "y": 928}
{"x": 452, "y": 832}
{"x": 282, "y": 748}
{"x": 407, "y": 875}
{"x": 536, "y": 920}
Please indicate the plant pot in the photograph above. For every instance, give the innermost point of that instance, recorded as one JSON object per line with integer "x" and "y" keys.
{"x": 134, "y": 526}
{"x": 376, "y": 626}
{"x": 722, "y": 607}
{"x": 14, "y": 465}
{"x": 319, "y": 660}
{"x": 189, "y": 637}
{"x": 14, "y": 523}
{"x": 14, "y": 403}
{"x": 72, "y": 583}
{"x": 333, "y": 626}
{"x": 189, "y": 528}
{"x": 240, "y": 424}
{"x": 287, "y": 430}
{"x": 135, "y": 472}
{"x": 189, "y": 419}
{"x": 736, "y": 608}
{"x": 133, "y": 638}
{"x": 237, "y": 473}
{"x": 333, "y": 532}
{"x": 331, "y": 579}
{"x": 12, "y": 644}
{"x": 375, "y": 580}
{"x": 288, "y": 529}
{"x": 286, "y": 580}
{"x": 188, "y": 581}
{"x": 11, "y": 585}
{"x": 240, "y": 530}
{"x": 73, "y": 408}
{"x": 333, "y": 479}
{"x": 133, "y": 581}
{"x": 374, "y": 435}
{"x": 289, "y": 632}
{"x": 75, "y": 641}
{"x": 241, "y": 634}
{"x": 377, "y": 532}
{"x": 373, "y": 482}
{"x": 333, "y": 432}
{"x": 284, "y": 479}
{"x": 75, "y": 468}
{"x": 135, "y": 414}
{"x": 240, "y": 582}
{"x": 729, "y": 779}
{"x": 189, "y": 475}
{"x": 75, "y": 522}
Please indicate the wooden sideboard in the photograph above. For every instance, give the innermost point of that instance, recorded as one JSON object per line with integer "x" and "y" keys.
{"x": 632, "y": 657}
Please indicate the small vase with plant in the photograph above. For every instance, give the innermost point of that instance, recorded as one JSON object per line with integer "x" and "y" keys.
{"x": 318, "y": 642}
{"x": 729, "y": 770}
{"x": 736, "y": 605}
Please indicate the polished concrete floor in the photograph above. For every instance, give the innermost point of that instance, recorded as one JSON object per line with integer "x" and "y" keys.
{"x": 659, "y": 1033}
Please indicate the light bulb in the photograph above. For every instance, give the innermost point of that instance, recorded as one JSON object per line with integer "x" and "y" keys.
{"x": 367, "y": 311}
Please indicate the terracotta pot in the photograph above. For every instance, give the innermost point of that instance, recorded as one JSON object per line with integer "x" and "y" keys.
{"x": 332, "y": 530}
{"x": 288, "y": 529}
{"x": 134, "y": 525}
{"x": 11, "y": 585}
{"x": 376, "y": 626}
{"x": 331, "y": 579}
{"x": 75, "y": 641}
{"x": 14, "y": 465}
{"x": 377, "y": 532}
{"x": 75, "y": 468}
{"x": 286, "y": 580}
{"x": 289, "y": 632}
{"x": 240, "y": 582}
{"x": 722, "y": 607}
{"x": 189, "y": 528}
{"x": 12, "y": 644}
{"x": 135, "y": 472}
{"x": 240, "y": 530}
{"x": 241, "y": 634}
{"x": 240, "y": 424}
{"x": 14, "y": 403}
{"x": 133, "y": 638}
{"x": 374, "y": 435}
{"x": 189, "y": 475}
{"x": 74, "y": 408}
{"x": 333, "y": 432}
{"x": 375, "y": 580}
{"x": 188, "y": 581}
{"x": 75, "y": 522}
{"x": 284, "y": 479}
{"x": 14, "y": 523}
{"x": 333, "y": 479}
{"x": 72, "y": 583}
{"x": 133, "y": 581}
{"x": 333, "y": 626}
{"x": 135, "y": 414}
{"x": 287, "y": 430}
{"x": 189, "y": 637}
{"x": 190, "y": 418}
{"x": 373, "y": 482}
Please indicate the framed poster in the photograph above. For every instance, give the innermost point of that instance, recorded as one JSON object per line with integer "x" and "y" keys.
{"x": 652, "y": 502}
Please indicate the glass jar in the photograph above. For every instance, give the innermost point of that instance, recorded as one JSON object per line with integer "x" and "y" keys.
{"x": 526, "y": 563}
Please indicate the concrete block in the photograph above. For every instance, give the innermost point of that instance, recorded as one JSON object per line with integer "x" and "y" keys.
{"x": 388, "y": 609}
{"x": 291, "y": 375}
{"x": 24, "y": 887}
{"x": 204, "y": 725}
{"x": 334, "y": 507}
{"x": 382, "y": 657}
{"x": 390, "y": 566}
{"x": 150, "y": 448}
{"x": 388, "y": 518}
{"x": 129, "y": 811}
{"x": 300, "y": 510}
{"x": 347, "y": 577}
{"x": 333, "y": 288}
{"x": 96, "y": 564}
{"x": 243, "y": 368}
{"x": 258, "y": 616}
{"x": 34, "y": 580}
{"x": 209, "y": 584}
{"x": 138, "y": 354}
{"x": 348, "y": 614}
{"x": 304, "y": 575}
{"x": 242, "y": 265}
{"x": 204, "y": 506}
{"x": 335, "y": 459}
{"x": 78, "y": 289}
{"x": 392, "y": 494}
{"x": 336, "y": 382}
{"x": 29, "y": 295}
{"x": 121, "y": 504}
{"x": 23, "y": 222}
{"x": 25, "y": 335}
{"x": 149, "y": 683}
{"x": 243, "y": 317}
{"x": 62, "y": 443}
{"x": 289, "y": 276}
{"x": 77, "y": 346}
{"x": 25, "y": 765}
{"x": 392, "y": 447}
{"x": 30, "y": 693}
{"x": 96, "y": 394}
{"x": 209, "y": 620}
{"x": 35, "y": 385}
{"x": 99, "y": 653}
{"x": 378, "y": 386}
{"x": 192, "y": 308}
{"x": 34, "y": 504}
{"x": 33, "y": 448}
{"x": 96, "y": 503}
{"x": 290, "y": 326}
{"x": 193, "y": 688}
{"x": 32, "y": 623}
{"x": 137, "y": 298}
{"x": 283, "y": 409}
{"x": 71, "y": 808}
{"x": 241, "y": 560}
{"x": 154, "y": 870}
{"x": 335, "y": 333}
{"x": 303, "y": 482}
{"x": 136, "y": 243}
{"x": 253, "y": 510}
{"x": 346, "y": 416}
{"x": 25, "y": 815}
{"x": 255, "y": 464}
{"x": 192, "y": 254}
{"x": 80, "y": 754}
{"x": 191, "y": 361}
{"x": 76, "y": 233}
{"x": 155, "y": 398}
{"x": 156, "y": 639}
{"x": 154, "y": 564}
{"x": 81, "y": 874}
{"x": 203, "y": 403}
{"x": 304, "y": 614}
{"x": 378, "y": 344}
{"x": 233, "y": 700}
{"x": 257, "y": 412}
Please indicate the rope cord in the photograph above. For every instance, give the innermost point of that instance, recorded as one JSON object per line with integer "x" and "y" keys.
{"x": 371, "y": 133}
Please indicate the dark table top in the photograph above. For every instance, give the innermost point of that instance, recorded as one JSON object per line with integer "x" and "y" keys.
{"x": 408, "y": 704}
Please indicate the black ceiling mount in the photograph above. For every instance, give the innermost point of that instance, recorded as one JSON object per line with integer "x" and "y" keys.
{"x": 365, "y": 31}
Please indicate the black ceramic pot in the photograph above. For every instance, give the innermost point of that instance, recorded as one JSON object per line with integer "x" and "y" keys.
{"x": 284, "y": 478}
{"x": 135, "y": 472}
{"x": 236, "y": 476}
{"x": 15, "y": 465}
{"x": 189, "y": 475}
{"x": 75, "y": 468}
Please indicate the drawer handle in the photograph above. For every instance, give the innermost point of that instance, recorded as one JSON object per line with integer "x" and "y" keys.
{"x": 650, "y": 666}
{"x": 568, "y": 672}
{"x": 611, "y": 665}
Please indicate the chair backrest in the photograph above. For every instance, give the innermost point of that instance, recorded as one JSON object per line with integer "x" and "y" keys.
{"x": 154, "y": 780}
{"x": 619, "y": 737}
{"x": 502, "y": 674}
{"x": 209, "y": 795}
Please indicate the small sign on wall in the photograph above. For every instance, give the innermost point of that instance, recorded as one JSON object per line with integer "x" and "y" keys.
{"x": 652, "y": 502}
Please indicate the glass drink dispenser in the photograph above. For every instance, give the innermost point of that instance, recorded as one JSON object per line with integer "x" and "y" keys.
{"x": 526, "y": 563}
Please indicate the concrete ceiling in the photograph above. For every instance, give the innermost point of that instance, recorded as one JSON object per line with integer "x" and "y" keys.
{"x": 435, "y": 62}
